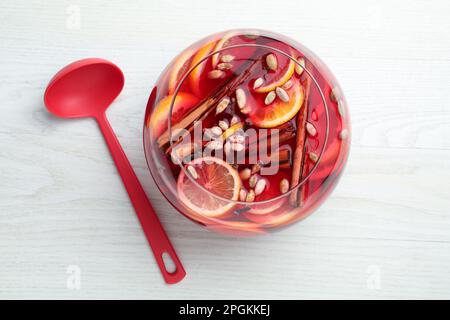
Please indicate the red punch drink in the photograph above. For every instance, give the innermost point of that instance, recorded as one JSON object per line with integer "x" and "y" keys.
{"x": 246, "y": 132}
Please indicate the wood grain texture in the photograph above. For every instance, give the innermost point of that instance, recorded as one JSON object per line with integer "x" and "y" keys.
{"x": 62, "y": 202}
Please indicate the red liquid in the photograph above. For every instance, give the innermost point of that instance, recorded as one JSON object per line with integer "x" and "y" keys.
{"x": 225, "y": 211}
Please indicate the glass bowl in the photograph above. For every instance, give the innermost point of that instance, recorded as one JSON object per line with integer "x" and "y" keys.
{"x": 246, "y": 132}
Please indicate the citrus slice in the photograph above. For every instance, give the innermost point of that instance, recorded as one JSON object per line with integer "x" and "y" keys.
{"x": 231, "y": 130}
{"x": 214, "y": 175}
{"x": 159, "y": 119}
{"x": 179, "y": 68}
{"x": 284, "y": 72}
{"x": 279, "y": 112}
{"x": 266, "y": 208}
{"x": 194, "y": 76}
{"x": 221, "y": 44}
{"x": 278, "y": 81}
{"x": 271, "y": 191}
{"x": 234, "y": 45}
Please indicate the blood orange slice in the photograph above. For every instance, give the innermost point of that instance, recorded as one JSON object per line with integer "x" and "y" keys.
{"x": 179, "y": 68}
{"x": 214, "y": 175}
{"x": 278, "y": 112}
{"x": 182, "y": 105}
{"x": 284, "y": 72}
{"x": 232, "y": 45}
{"x": 221, "y": 44}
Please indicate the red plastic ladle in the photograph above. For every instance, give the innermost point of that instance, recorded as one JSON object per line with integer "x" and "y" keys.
{"x": 86, "y": 88}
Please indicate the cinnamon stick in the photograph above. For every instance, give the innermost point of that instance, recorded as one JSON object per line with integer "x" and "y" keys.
{"x": 205, "y": 107}
{"x": 254, "y": 140}
{"x": 296, "y": 198}
{"x": 285, "y": 165}
{"x": 277, "y": 158}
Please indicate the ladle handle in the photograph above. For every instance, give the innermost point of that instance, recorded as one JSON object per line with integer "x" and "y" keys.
{"x": 156, "y": 236}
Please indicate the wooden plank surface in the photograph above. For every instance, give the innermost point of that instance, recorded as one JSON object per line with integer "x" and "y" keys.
{"x": 383, "y": 233}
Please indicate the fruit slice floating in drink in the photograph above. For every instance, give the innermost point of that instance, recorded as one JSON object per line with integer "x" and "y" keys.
{"x": 182, "y": 105}
{"x": 198, "y": 74}
{"x": 277, "y": 111}
{"x": 180, "y": 68}
{"x": 280, "y": 67}
{"x": 217, "y": 178}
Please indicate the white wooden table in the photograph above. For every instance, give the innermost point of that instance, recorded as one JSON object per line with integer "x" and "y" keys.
{"x": 383, "y": 233}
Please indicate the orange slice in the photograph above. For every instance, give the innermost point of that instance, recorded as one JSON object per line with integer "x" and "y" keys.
{"x": 159, "y": 119}
{"x": 278, "y": 81}
{"x": 231, "y": 130}
{"x": 279, "y": 112}
{"x": 266, "y": 208}
{"x": 179, "y": 68}
{"x": 285, "y": 69}
{"x": 194, "y": 76}
{"x": 216, "y": 176}
{"x": 220, "y": 44}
